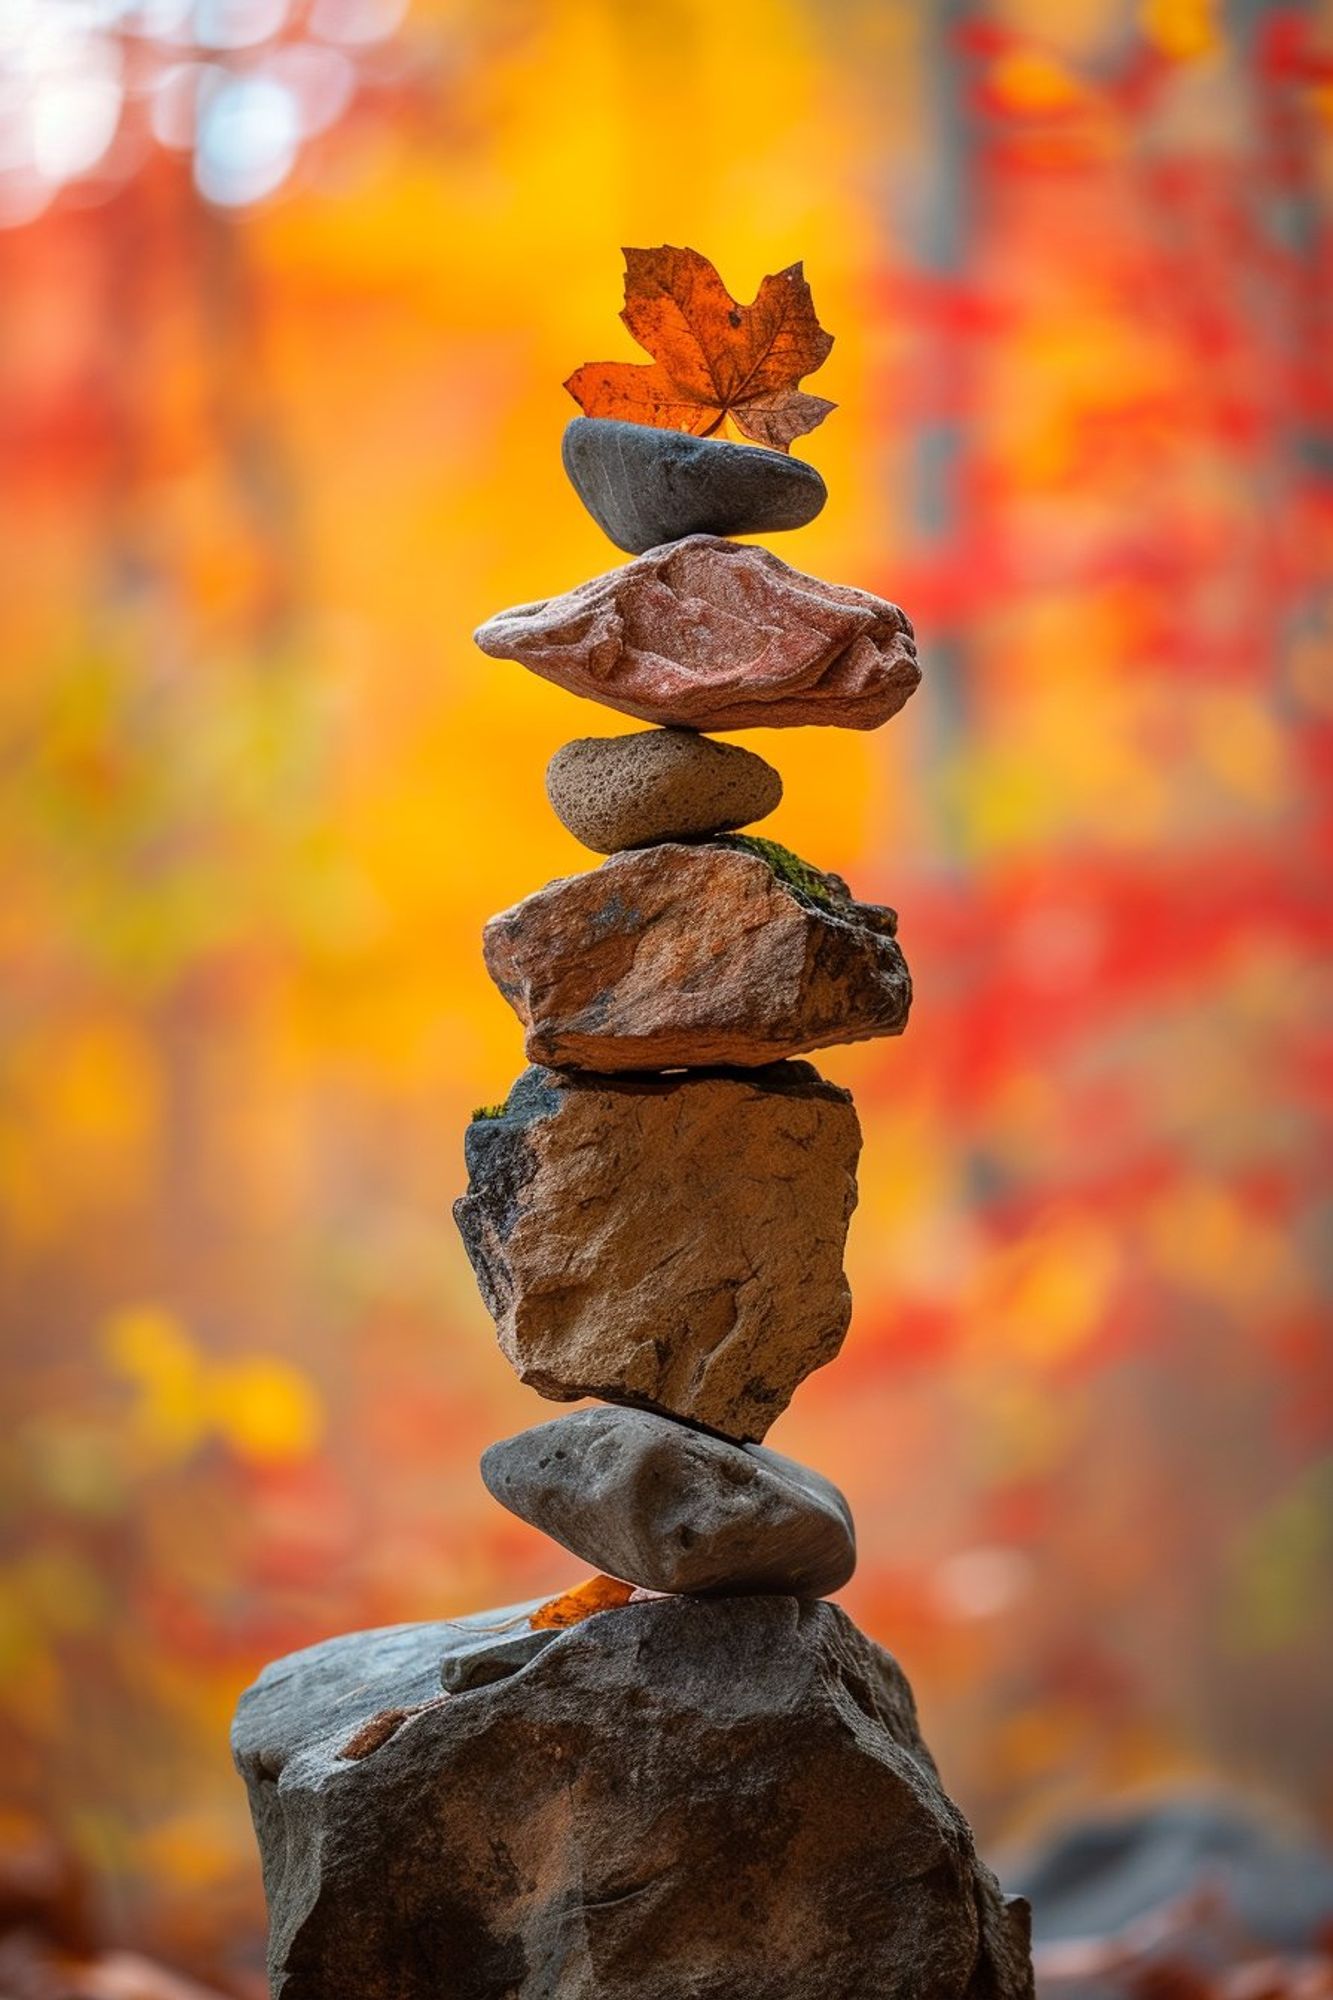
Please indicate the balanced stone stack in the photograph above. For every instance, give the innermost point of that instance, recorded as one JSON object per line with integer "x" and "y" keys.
{"x": 715, "y": 1789}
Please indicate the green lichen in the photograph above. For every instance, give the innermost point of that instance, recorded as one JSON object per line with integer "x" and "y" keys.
{"x": 489, "y": 1111}
{"x": 789, "y": 868}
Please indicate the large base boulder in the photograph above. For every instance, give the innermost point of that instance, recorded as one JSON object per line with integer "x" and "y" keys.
{"x": 686, "y": 1797}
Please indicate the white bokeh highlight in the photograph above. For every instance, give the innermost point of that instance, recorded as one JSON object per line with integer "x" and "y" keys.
{"x": 239, "y": 85}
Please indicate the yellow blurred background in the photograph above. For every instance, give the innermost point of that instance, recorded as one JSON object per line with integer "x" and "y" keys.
{"x": 283, "y": 339}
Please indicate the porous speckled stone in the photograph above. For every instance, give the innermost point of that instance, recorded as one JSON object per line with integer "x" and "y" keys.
{"x": 663, "y": 1505}
{"x": 711, "y": 634}
{"x": 666, "y": 957}
{"x": 674, "y": 1243}
{"x": 645, "y": 486}
{"x": 613, "y": 792}
{"x": 726, "y": 1797}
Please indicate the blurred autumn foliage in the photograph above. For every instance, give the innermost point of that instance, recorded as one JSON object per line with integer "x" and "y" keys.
{"x": 273, "y": 444}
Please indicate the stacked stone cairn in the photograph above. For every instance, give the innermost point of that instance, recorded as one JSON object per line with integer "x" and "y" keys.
{"x": 715, "y": 1789}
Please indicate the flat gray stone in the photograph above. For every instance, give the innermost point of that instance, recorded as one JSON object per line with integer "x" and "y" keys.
{"x": 334, "y": 1689}
{"x": 645, "y": 486}
{"x": 668, "y": 1507}
{"x": 614, "y": 792}
{"x": 692, "y": 1796}
{"x": 485, "y": 1649}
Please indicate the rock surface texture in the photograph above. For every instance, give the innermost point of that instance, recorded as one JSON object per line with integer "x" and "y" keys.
{"x": 673, "y": 957}
{"x": 674, "y": 1243}
{"x": 613, "y": 792}
{"x": 659, "y": 1504}
{"x": 688, "y": 1777}
{"x": 724, "y": 1798}
{"x": 644, "y": 486}
{"x": 711, "y": 634}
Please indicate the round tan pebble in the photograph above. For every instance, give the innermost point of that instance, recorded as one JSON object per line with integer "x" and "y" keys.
{"x": 614, "y": 792}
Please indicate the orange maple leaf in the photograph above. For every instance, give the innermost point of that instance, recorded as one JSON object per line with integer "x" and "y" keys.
{"x": 712, "y": 358}
{"x": 599, "y": 1593}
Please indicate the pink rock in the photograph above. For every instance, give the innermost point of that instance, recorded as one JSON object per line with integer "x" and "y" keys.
{"x": 710, "y": 634}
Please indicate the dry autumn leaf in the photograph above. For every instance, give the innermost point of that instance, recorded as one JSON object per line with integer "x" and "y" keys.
{"x": 599, "y": 1593}
{"x": 712, "y": 359}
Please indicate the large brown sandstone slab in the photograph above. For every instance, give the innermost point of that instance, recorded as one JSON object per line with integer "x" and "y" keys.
{"x": 725, "y": 1797}
{"x": 717, "y": 635}
{"x": 674, "y": 956}
{"x": 672, "y": 1243}
{"x": 660, "y": 1504}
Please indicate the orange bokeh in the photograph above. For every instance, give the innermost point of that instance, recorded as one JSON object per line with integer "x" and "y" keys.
{"x": 267, "y": 464}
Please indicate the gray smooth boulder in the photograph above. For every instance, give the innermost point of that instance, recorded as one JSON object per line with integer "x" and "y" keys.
{"x": 668, "y": 1507}
{"x": 645, "y": 486}
{"x": 686, "y": 1799}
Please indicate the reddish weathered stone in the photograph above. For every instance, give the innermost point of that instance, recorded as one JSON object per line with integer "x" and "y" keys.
{"x": 673, "y": 1242}
{"x": 712, "y": 634}
{"x": 668, "y": 957}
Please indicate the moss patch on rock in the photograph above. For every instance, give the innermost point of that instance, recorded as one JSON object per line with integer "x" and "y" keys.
{"x": 791, "y": 871}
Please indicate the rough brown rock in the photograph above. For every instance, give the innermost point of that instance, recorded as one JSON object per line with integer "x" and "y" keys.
{"x": 668, "y": 957}
{"x": 660, "y": 1504}
{"x": 717, "y": 635}
{"x": 613, "y": 792}
{"x": 670, "y": 1242}
{"x": 714, "y": 1797}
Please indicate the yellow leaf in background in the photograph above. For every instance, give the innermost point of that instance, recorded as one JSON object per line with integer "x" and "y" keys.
{"x": 147, "y": 1342}
{"x": 64, "y": 1593}
{"x": 102, "y": 1083}
{"x": 1026, "y": 1428}
{"x": 1181, "y": 28}
{"x": 191, "y": 1850}
{"x": 1278, "y": 1567}
{"x": 1205, "y": 1240}
{"x": 1058, "y": 1297}
{"x": 265, "y": 1408}
{"x": 1245, "y": 748}
{"x": 1033, "y": 80}
{"x": 1002, "y": 800}
{"x": 1040, "y": 1298}
{"x": 29, "y": 1215}
{"x": 148, "y": 1345}
{"x": 32, "y": 1690}
{"x": 261, "y": 1405}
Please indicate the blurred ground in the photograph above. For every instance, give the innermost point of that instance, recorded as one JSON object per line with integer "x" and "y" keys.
{"x": 282, "y": 423}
